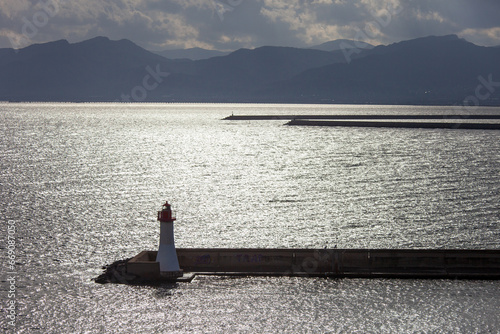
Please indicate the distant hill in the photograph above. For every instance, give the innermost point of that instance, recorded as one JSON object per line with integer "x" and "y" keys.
{"x": 430, "y": 70}
{"x": 340, "y": 44}
{"x": 103, "y": 70}
{"x": 93, "y": 70}
{"x": 236, "y": 76}
{"x": 192, "y": 53}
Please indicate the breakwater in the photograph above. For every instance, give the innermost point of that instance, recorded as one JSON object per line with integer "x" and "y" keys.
{"x": 480, "y": 122}
{"x": 354, "y": 263}
{"x": 344, "y": 262}
{"x": 357, "y": 117}
{"x": 397, "y": 124}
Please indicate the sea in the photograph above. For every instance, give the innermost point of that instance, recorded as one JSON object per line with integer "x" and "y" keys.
{"x": 81, "y": 183}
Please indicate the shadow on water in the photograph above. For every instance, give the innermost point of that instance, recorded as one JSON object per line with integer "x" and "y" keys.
{"x": 164, "y": 290}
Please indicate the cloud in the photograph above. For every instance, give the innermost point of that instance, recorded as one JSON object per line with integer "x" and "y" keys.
{"x": 320, "y": 21}
{"x": 79, "y": 20}
{"x": 11, "y": 9}
{"x": 487, "y": 37}
{"x": 231, "y": 24}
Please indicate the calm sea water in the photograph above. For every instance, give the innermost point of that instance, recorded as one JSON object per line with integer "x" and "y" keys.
{"x": 81, "y": 184}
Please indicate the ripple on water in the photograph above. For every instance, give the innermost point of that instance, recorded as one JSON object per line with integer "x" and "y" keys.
{"x": 82, "y": 182}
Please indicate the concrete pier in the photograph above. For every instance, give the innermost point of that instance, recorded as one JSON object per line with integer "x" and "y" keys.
{"x": 363, "y": 263}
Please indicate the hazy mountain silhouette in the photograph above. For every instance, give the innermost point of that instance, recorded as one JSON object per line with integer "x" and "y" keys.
{"x": 191, "y": 53}
{"x": 238, "y": 75}
{"x": 93, "y": 70}
{"x": 430, "y": 70}
{"x": 342, "y": 44}
{"x": 440, "y": 70}
{"x": 200, "y": 53}
{"x": 104, "y": 70}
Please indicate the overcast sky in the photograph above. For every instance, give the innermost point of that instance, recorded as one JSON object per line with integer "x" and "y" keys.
{"x": 232, "y": 24}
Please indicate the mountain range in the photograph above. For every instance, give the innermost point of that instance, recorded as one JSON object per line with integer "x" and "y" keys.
{"x": 443, "y": 70}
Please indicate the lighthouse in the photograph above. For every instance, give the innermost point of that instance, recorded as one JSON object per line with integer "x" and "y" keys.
{"x": 167, "y": 256}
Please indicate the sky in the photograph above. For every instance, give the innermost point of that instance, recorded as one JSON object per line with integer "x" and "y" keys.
{"x": 232, "y": 24}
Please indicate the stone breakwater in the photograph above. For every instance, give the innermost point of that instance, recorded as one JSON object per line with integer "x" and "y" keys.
{"x": 361, "y": 263}
{"x": 480, "y": 122}
{"x": 359, "y": 116}
{"x": 398, "y": 124}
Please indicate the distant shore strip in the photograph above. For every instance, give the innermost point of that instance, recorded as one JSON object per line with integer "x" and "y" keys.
{"x": 393, "y": 121}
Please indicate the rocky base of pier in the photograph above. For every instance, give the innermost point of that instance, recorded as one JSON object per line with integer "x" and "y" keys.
{"x": 116, "y": 272}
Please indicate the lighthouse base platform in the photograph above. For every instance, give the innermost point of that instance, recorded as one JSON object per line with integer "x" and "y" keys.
{"x": 144, "y": 267}
{"x": 335, "y": 263}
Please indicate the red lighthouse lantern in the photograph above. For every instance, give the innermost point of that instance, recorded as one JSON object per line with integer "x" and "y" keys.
{"x": 166, "y": 215}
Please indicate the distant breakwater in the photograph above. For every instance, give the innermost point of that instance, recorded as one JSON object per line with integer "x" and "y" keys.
{"x": 358, "y": 117}
{"x": 391, "y": 121}
{"x": 397, "y": 124}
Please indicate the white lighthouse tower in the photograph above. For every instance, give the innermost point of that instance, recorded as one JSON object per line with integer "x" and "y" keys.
{"x": 167, "y": 256}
